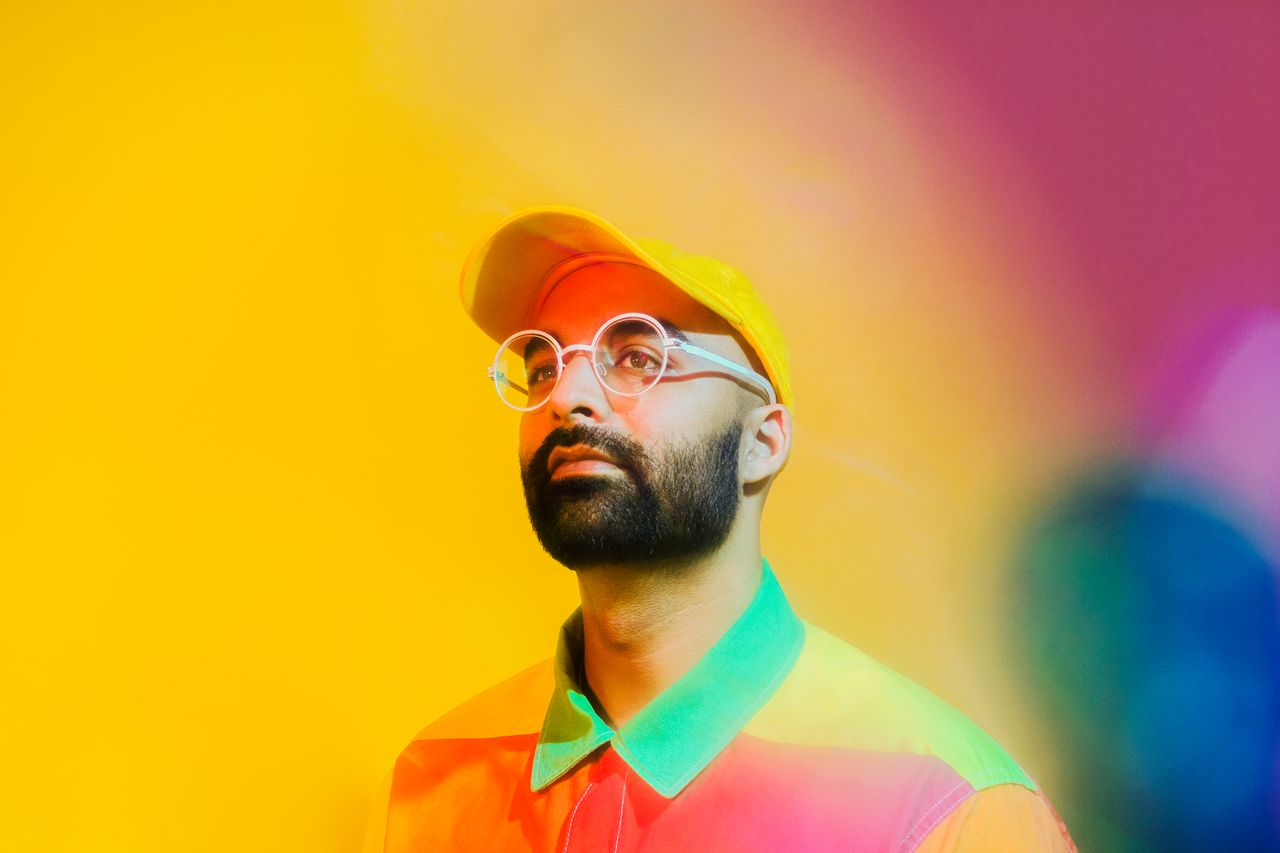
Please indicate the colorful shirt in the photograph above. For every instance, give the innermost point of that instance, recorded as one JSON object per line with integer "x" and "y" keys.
{"x": 782, "y": 737}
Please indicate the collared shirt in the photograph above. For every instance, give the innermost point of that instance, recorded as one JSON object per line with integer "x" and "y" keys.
{"x": 781, "y": 737}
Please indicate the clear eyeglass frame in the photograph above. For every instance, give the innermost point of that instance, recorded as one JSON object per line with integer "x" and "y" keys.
{"x": 564, "y": 353}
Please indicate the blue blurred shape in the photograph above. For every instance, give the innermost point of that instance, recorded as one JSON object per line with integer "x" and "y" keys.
{"x": 1153, "y": 637}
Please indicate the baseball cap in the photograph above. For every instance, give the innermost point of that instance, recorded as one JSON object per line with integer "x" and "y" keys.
{"x": 507, "y": 272}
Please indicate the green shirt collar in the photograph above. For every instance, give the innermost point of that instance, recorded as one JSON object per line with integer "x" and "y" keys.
{"x": 671, "y": 739}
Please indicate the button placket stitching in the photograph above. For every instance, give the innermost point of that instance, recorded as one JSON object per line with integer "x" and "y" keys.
{"x": 622, "y": 805}
{"x": 569, "y": 830}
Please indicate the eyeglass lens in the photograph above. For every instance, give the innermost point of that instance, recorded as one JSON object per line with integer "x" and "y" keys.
{"x": 526, "y": 370}
{"x": 629, "y": 358}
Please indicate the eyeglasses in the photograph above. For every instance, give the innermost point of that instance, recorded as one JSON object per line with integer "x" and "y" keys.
{"x": 629, "y": 354}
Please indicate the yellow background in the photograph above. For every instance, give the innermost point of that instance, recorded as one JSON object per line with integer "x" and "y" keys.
{"x": 259, "y": 511}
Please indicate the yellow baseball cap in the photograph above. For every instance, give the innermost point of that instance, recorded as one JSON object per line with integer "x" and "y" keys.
{"x": 506, "y": 273}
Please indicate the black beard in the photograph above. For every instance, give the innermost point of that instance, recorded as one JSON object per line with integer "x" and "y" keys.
{"x": 671, "y": 509}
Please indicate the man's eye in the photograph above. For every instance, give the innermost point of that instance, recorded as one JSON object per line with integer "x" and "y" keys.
{"x": 636, "y": 359}
{"x": 541, "y": 373}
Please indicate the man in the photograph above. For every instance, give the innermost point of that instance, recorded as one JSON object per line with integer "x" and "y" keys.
{"x": 686, "y": 707}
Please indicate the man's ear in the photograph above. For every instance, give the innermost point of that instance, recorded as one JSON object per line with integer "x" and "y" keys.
{"x": 767, "y": 431}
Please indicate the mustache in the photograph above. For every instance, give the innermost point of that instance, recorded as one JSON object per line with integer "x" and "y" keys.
{"x": 627, "y": 453}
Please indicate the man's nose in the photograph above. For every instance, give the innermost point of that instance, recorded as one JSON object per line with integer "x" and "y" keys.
{"x": 578, "y": 394}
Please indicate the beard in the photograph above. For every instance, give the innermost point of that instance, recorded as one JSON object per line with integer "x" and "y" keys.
{"x": 671, "y": 506}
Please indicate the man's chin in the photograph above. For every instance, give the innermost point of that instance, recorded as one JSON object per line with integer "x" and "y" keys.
{"x": 579, "y": 550}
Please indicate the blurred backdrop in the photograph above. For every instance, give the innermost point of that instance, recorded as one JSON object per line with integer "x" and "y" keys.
{"x": 259, "y": 511}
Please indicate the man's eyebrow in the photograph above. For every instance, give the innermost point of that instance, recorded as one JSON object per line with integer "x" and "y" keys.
{"x": 535, "y": 346}
{"x": 672, "y": 329}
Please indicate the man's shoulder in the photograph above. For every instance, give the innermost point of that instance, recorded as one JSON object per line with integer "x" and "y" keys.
{"x": 838, "y": 696}
{"x": 513, "y": 706}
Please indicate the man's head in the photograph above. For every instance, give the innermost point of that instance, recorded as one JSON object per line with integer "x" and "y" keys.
{"x": 658, "y": 477}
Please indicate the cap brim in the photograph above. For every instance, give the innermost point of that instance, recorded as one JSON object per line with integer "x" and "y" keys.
{"x": 505, "y": 274}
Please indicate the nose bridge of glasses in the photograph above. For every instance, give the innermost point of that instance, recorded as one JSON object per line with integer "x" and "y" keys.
{"x": 567, "y": 354}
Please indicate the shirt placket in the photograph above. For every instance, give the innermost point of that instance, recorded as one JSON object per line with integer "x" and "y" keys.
{"x": 595, "y": 823}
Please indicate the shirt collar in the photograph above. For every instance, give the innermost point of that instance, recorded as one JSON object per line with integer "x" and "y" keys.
{"x": 671, "y": 739}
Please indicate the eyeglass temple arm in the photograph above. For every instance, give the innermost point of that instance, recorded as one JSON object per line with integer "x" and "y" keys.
{"x": 725, "y": 363}
{"x": 502, "y": 377}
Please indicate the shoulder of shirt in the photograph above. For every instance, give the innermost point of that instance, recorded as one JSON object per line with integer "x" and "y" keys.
{"x": 838, "y": 696}
{"x": 514, "y": 706}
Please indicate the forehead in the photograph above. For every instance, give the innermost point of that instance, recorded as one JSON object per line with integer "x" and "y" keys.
{"x": 576, "y": 305}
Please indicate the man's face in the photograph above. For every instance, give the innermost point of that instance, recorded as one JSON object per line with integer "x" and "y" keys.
{"x": 621, "y": 480}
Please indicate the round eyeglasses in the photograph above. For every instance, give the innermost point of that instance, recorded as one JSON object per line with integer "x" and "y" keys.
{"x": 629, "y": 354}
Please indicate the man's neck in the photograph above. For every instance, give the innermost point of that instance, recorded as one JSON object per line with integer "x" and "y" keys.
{"x": 645, "y": 627}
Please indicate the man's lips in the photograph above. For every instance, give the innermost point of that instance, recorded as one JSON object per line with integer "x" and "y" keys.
{"x": 579, "y": 459}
